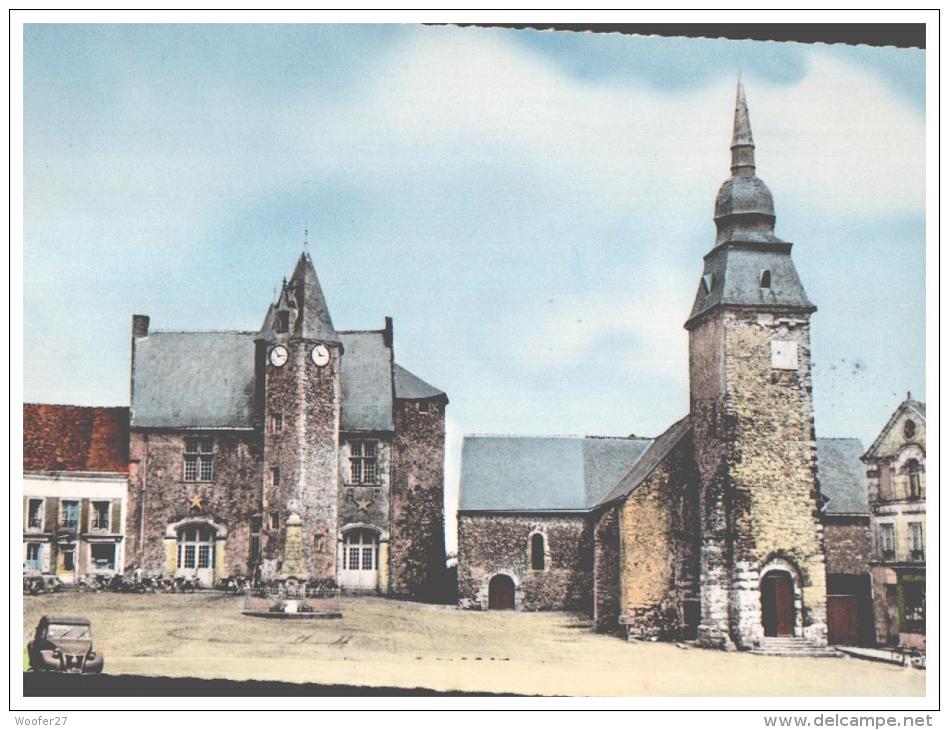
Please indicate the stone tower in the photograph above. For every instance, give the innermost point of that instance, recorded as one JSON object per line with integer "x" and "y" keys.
{"x": 298, "y": 375}
{"x": 762, "y": 562}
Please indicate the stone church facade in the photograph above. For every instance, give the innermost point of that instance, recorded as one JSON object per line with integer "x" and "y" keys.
{"x": 714, "y": 530}
{"x": 234, "y": 432}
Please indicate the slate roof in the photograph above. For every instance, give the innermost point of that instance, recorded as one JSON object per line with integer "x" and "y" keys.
{"x": 412, "y": 387}
{"x": 736, "y": 269}
{"x": 75, "y": 438}
{"x": 841, "y": 474}
{"x": 194, "y": 380}
{"x": 644, "y": 466}
{"x": 206, "y": 380}
{"x": 366, "y": 380}
{"x": 542, "y": 474}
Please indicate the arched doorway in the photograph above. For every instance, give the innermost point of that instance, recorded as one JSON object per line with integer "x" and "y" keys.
{"x": 501, "y": 593}
{"x": 196, "y": 553}
{"x": 777, "y": 603}
{"x": 359, "y": 570}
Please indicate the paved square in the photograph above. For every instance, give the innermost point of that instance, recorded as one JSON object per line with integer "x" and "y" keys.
{"x": 393, "y": 643}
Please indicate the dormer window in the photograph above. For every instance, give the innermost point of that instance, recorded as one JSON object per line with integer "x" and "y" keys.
{"x": 707, "y": 281}
{"x": 283, "y": 321}
{"x": 764, "y": 281}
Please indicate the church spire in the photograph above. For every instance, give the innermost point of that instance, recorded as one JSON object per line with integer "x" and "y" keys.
{"x": 743, "y": 145}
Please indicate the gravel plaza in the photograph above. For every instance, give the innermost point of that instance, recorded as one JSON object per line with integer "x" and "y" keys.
{"x": 388, "y": 643}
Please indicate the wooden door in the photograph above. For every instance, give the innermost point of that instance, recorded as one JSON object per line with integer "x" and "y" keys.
{"x": 843, "y": 620}
{"x": 777, "y": 604}
{"x": 501, "y": 593}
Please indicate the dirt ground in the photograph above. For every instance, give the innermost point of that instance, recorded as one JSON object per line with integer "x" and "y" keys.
{"x": 392, "y": 643}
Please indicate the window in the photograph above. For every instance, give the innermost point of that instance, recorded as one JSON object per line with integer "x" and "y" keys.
{"x": 256, "y": 523}
{"x": 34, "y": 556}
{"x": 275, "y": 476}
{"x": 103, "y": 556}
{"x": 538, "y": 550}
{"x": 362, "y": 462}
{"x": 913, "y": 592}
{"x": 199, "y": 459}
{"x": 189, "y": 556}
{"x": 70, "y": 517}
{"x": 204, "y": 556}
{"x": 423, "y": 406}
{"x": 276, "y": 423}
{"x": 69, "y": 559}
{"x": 283, "y": 321}
{"x": 34, "y": 519}
{"x": 888, "y": 541}
{"x": 100, "y": 515}
{"x": 764, "y": 280}
{"x": 912, "y": 471}
{"x": 909, "y": 429}
{"x": 916, "y": 541}
{"x": 359, "y": 552}
{"x": 708, "y": 280}
{"x": 274, "y": 520}
{"x": 319, "y": 541}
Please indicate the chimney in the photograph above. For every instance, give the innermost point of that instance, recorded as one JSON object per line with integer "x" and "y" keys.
{"x": 140, "y": 325}
{"x": 387, "y": 333}
{"x": 139, "y": 329}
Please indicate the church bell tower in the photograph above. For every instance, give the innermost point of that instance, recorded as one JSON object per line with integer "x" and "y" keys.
{"x": 298, "y": 364}
{"x": 762, "y": 562}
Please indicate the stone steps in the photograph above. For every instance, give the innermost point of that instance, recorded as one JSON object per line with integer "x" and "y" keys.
{"x": 793, "y": 646}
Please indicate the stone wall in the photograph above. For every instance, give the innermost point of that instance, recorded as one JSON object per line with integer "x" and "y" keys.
{"x": 755, "y": 448}
{"x": 847, "y": 544}
{"x": 365, "y": 504}
{"x": 417, "y": 550}
{"x": 306, "y": 452}
{"x": 158, "y": 492}
{"x": 606, "y": 570}
{"x": 659, "y": 544}
{"x": 489, "y": 544}
{"x": 773, "y": 469}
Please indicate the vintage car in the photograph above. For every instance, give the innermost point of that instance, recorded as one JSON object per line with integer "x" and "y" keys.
{"x": 64, "y": 644}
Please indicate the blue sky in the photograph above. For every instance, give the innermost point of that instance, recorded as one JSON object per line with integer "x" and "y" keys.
{"x": 532, "y": 208}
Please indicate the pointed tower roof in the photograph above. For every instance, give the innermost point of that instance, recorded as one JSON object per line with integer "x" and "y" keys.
{"x": 744, "y": 202}
{"x": 743, "y": 144}
{"x": 313, "y": 320}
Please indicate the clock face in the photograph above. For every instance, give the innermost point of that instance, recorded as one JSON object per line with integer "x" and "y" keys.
{"x": 320, "y": 355}
{"x": 278, "y": 356}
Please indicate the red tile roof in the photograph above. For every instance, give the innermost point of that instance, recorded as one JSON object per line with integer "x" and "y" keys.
{"x": 75, "y": 438}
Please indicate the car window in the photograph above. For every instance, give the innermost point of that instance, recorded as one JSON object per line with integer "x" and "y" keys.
{"x": 68, "y": 631}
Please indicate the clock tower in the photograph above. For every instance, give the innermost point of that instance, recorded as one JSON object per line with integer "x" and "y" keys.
{"x": 298, "y": 387}
{"x": 761, "y": 555}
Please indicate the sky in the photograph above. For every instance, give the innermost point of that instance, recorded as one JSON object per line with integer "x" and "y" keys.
{"x": 532, "y": 208}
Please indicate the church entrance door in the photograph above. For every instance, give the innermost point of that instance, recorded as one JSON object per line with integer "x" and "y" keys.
{"x": 196, "y": 554}
{"x": 501, "y": 593}
{"x": 360, "y": 565}
{"x": 777, "y": 604}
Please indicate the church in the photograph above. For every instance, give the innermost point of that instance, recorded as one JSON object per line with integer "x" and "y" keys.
{"x": 714, "y": 530}
{"x": 234, "y": 433}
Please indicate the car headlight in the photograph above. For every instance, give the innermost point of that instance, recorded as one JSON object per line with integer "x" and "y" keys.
{"x": 57, "y": 653}
{"x": 91, "y": 655}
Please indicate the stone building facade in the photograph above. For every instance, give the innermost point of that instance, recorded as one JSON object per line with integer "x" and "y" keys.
{"x": 234, "y": 432}
{"x": 75, "y": 473}
{"x": 714, "y": 530}
{"x": 896, "y": 481}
